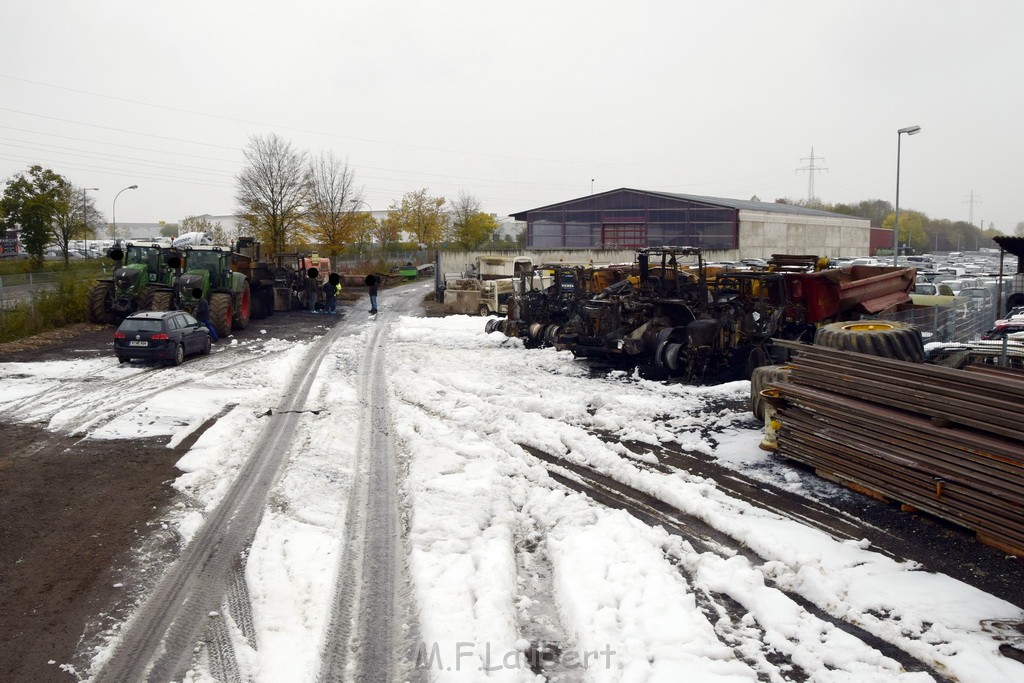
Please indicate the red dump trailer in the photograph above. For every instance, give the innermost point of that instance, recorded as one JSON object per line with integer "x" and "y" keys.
{"x": 839, "y": 293}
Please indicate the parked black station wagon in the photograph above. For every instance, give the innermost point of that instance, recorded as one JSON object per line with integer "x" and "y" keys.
{"x": 164, "y": 336}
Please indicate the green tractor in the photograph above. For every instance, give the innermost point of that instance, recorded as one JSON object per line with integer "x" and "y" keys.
{"x": 143, "y": 280}
{"x": 208, "y": 269}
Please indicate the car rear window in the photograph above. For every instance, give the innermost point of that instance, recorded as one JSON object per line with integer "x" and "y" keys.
{"x": 141, "y": 325}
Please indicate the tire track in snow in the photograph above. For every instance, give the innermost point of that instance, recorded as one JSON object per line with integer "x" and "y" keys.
{"x": 364, "y": 640}
{"x": 125, "y": 392}
{"x": 704, "y": 538}
{"x": 539, "y": 621}
{"x": 157, "y": 642}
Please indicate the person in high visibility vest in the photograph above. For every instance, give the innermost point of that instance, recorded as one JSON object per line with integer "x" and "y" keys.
{"x": 332, "y": 288}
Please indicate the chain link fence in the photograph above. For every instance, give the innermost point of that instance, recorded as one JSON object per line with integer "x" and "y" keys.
{"x": 16, "y": 288}
{"x": 962, "y": 321}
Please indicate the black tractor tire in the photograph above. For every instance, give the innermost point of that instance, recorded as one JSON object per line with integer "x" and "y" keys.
{"x": 160, "y": 300}
{"x": 243, "y": 304}
{"x": 100, "y": 297}
{"x": 220, "y": 313}
{"x": 179, "y": 355}
{"x": 756, "y": 358}
{"x": 885, "y": 338}
{"x": 145, "y": 300}
{"x": 761, "y": 378}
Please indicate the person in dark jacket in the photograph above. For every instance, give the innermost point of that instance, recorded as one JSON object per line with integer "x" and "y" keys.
{"x": 312, "y": 290}
{"x": 373, "y": 282}
{"x": 203, "y": 312}
{"x": 331, "y": 290}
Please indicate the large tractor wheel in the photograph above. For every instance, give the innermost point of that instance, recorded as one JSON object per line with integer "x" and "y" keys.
{"x": 99, "y": 303}
{"x": 243, "y": 302}
{"x": 146, "y": 298}
{"x": 220, "y": 313}
{"x": 160, "y": 300}
{"x": 884, "y": 338}
{"x": 761, "y": 378}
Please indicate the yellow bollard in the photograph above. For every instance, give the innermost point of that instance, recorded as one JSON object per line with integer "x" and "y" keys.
{"x": 772, "y": 399}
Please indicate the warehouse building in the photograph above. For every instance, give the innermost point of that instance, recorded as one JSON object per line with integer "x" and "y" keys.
{"x": 725, "y": 229}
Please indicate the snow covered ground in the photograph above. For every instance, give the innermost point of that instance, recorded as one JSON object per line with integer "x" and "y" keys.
{"x": 502, "y": 557}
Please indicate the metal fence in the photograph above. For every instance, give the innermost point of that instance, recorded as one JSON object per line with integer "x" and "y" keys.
{"x": 19, "y": 287}
{"x": 964, "y": 320}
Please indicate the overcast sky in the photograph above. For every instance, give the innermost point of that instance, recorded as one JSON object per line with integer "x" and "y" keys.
{"x": 524, "y": 103}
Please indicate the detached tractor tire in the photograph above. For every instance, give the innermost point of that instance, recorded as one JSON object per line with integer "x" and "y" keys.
{"x": 100, "y": 297}
{"x": 160, "y": 300}
{"x": 761, "y": 378}
{"x": 888, "y": 339}
{"x": 242, "y": 308}
{"x": 220, "y": 313}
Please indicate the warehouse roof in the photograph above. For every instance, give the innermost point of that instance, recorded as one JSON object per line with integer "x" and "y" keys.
{"x": 714, "y": 201}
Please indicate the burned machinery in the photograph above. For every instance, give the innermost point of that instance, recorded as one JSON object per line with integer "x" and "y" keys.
{"x": 673, "y": 320}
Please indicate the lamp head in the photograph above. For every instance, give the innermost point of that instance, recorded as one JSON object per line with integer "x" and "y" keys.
{"x": 909, "y": 130}
{"x": 135, "y": 187}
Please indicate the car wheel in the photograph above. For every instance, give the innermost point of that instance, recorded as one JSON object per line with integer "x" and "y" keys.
{"x": 122, "y": 360}
{"x": 179, "y": 354}
{"x": 207, "y": 346}
{"x": 483, "y": 310}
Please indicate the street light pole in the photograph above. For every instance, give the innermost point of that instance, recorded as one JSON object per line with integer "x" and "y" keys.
{"x": 113, "y": 209}
{"x": 85, "y": 219}
{"x": 909, "y": 130}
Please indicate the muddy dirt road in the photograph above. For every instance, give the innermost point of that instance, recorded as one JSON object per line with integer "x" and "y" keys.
{"x": 73, "y": 508}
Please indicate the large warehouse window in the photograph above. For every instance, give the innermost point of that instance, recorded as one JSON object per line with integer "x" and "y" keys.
{"x": 631, "y": 219}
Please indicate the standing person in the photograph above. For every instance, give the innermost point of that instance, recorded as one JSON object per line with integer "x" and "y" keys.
{"x": 312, "y": 289}
{"x": 373, "y": 282}
{"x": 331, "y": 289}
{"x": 203, "y": 312}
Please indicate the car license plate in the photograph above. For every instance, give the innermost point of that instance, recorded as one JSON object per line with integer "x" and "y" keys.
{"x": 138, "y": 343}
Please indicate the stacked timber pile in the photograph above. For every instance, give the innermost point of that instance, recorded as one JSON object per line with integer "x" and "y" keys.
{"x": 947, "y": 442}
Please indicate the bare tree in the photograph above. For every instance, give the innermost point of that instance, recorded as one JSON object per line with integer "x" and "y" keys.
{"x": 333, "y": 201}
{"x": 75, "y": 217}
{"x": 272, "y": 191}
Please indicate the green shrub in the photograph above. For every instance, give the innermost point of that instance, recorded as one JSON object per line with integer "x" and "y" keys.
{"x": 47, "y": 309}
